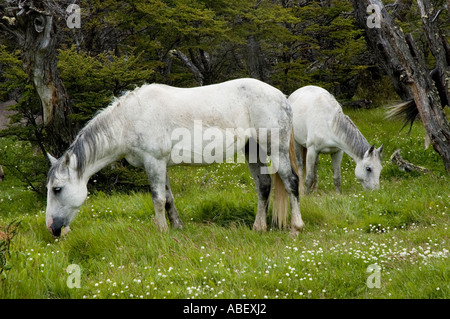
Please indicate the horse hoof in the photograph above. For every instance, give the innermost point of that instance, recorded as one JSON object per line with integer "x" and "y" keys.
{"x": 261, "y": 228}
{"x": 161, "y": 226}
{"x": 178, "y": 224}
{"x": 163, "y": 229}
{"x": 293, "y": 234}
{"x": 295, "y": 231}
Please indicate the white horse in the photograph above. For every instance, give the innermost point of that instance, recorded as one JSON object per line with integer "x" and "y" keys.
{"x": 320, "y": 126}
{"x": 141, "y": 126}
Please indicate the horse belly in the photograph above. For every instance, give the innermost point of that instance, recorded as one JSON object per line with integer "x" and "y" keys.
{"x": 206, "y": 146}
{"x": 329, "y": 150}
{"x": 134, "y": 160}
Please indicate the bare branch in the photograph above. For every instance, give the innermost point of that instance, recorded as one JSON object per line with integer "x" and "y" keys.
{"x": 188, "y": 63}
{"x": 437, "y": 15}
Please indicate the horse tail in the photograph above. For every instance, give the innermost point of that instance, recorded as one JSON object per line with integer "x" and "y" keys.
{"x": 280, "y": 204}
{"x": 406, "y": 111}
{"x": 280, "y": 197}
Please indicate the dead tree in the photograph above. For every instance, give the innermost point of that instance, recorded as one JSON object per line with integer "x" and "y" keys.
{"x": 405, "y": 65}
{"x": 33, "y": 26}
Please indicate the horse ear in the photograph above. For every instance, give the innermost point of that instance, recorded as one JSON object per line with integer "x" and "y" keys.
{"x": 67, "y": 160}
{"x": 51, "y": 159}
{"x": 380, "y": 150}
{"x": 370, "y": 151}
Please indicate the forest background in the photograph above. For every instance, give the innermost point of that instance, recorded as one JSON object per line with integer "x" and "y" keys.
{"x": 119, "y": 45}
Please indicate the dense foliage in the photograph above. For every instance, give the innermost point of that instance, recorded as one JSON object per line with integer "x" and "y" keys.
{"x": 123, "y": 44}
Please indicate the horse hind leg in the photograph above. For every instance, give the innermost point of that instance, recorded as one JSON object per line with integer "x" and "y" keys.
{"x": 171, "y": 210}
{"x": 263, "y": 186}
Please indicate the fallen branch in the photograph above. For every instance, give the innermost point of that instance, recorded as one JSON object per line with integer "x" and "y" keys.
{"x": 404, "y": 165}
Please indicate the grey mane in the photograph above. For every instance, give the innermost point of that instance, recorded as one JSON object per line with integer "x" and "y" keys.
{"x": 89, "y": 142}
{"x": 93, "y": 139}
{"x": 346, "y": 130}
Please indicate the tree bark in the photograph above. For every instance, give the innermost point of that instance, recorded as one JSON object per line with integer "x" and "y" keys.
{"x": 33, "y": 27}
{"x": 438, "y": 46}
{"x": 408, "y": 72}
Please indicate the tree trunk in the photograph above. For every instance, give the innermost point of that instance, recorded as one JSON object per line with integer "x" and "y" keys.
{"x": 36, "y": 34}
{"x": 255, "y": 61}
{"x": 439, "y": 48}
{"x": 408, "y": 72}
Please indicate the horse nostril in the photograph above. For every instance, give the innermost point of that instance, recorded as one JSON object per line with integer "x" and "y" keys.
{"x": 56, "y": 225}
{"x": 56, "y": 232}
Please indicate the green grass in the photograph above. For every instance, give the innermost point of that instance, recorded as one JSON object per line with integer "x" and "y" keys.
{"x": 403, "y": 228}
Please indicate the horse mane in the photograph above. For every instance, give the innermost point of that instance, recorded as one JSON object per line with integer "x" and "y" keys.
{"x": 344, "y": 128}
{"x": 90, "y": 140}
{"x": 93, "y": 138}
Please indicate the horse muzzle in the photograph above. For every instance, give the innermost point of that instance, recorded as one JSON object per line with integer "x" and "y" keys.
{"x": 55, "y": 226}
{"x": 371, "y": 187}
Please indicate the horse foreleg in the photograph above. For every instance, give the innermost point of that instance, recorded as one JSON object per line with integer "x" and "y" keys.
{"x": 156, "y": 171}
{"x": 172, "y": 212}
{"x": 336, "y": 159}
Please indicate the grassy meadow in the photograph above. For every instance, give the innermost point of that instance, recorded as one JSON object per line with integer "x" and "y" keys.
{"x": 403, "y": 228}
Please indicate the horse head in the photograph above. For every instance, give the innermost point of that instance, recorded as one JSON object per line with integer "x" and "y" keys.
{"x": 66, "y": 192}
{"x": 368, "y": 169}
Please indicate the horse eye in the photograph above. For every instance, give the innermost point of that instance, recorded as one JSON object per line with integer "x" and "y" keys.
{"x": 56, "y": 190}
{"x": 368, "y": 169}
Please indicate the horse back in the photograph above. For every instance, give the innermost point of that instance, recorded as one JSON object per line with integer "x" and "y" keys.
{"x": 242, "y": 103}
{"x": 314, "y": 109}
{"x": 157, "y": 115}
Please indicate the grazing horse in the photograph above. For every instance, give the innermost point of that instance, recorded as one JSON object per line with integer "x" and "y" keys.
{"x": 144, "y": 126}
{"x": 320, "y": 126}
{"x": 2, "y": 174}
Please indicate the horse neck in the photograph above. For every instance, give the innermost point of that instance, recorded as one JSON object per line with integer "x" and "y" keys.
{"x": 349, "y": 138}
{"x": 97, "y": 145}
